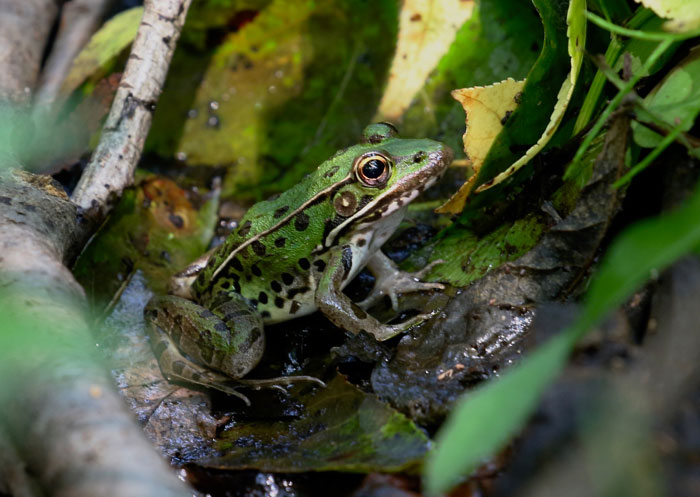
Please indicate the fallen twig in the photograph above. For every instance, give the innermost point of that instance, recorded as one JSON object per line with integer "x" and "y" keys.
{"x": 112, "y": 166}
{"x": 79, "y": 19}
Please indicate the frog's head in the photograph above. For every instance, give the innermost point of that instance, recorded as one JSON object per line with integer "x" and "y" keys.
{"x": 378, "y": 178}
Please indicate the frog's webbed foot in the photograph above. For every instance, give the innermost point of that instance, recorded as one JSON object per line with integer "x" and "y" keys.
{"x": 391, "y": 281}
{"x": 260, "y": 383}
{"x": 346, "y": 314}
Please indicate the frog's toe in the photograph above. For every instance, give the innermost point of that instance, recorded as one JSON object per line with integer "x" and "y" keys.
{"x": 399, "y": 283}
{"x": 259, "y": 383}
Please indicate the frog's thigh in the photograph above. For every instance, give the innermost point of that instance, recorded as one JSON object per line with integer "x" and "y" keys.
{"x": 229, "y": 339}
{"x": 335, "y": 305}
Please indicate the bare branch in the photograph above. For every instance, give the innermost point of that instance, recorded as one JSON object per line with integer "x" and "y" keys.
{"x": 24, "y": 29}
{"x": 112, "y": 166}
{"x": 79, "y": 20}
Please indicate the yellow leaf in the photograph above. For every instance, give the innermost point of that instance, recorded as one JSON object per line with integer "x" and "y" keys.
{"x": 427, "y": 28}
{"x": 576, "y": 33}
{"x": 487, "y": 108}
{"x": 683, "y": 15}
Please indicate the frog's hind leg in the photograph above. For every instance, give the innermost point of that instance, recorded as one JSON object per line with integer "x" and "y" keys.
{"x": 176, "y": 367}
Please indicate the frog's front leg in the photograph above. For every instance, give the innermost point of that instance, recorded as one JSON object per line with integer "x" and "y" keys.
{"x": 391, "y": 281}
{"x": 344, "y": 313}
{"x": 202, "y": 346}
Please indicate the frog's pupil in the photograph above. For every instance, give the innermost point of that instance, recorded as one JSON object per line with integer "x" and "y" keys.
{"x": 373, "y": 169}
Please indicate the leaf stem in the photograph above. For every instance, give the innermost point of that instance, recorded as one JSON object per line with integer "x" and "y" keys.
{"x": 640, "y": 35}
{"x": 616, "y": 101}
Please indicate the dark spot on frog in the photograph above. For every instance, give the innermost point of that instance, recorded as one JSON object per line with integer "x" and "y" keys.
{"x": 253, "y": 303}
{"x": 279, "y": 302}
{"x": 245, "y": 228}
{"x": 221, "y": 326}
{"x": 301, "y": 222}
{"x": 258, "y": 248}
{"x": 357, "y": 311}
{"x": 280, "y": 242}
{"x": 287, "y": 279}
{"x": 295, "y": 291}
{"x": 165, "y": 255}
{"x": 166, "y": 40}
{"x": 366, "y": 199}
{"x": 207, "y": 354}
{"x": 206, "y": 313}
{"x": 226, "y": 285}
{"x": 518, "y": 96}
{"x": 6, "y": 200}
{"x": 331, "y": 172}
{"x": 506, "y": 116}
{"x": 275, "y": 285}
{"x": 347, "y": 260}
{"x": 28, "y": 207}
{"x": 160, "y": 348}
{"x": 236, "y": 264}
{"x": 416, "y": 17}
{"x": 262, "y": 297}
{"x": 265, "y": 314}
{"x": 230, "y": 316}
{"x": 255, "y": 270}
{"x": 255, "y": 334}
{"x": 304, "y": 263}
{"x": 176, "y": 221}
{"x": 281, "y": 212}
{"x": 294, "y": 307}
{"x": 361, "y": 242}
{"x": 320, "y": 265}
{"x": 419, "y": 156}
{"x": 178, "y": 367}
{"x": 237, "y": 287}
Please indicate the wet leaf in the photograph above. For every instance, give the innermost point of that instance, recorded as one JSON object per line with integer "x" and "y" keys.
{"x": 278, "y": 94}
{"x": 674, "y": 99}
{"x": 427, "y": 28}
{"x": 340, "y": 428}
{"x": 155, "y": 228}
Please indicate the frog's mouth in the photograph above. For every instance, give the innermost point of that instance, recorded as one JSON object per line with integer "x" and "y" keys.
{"x": 399, "y": 195}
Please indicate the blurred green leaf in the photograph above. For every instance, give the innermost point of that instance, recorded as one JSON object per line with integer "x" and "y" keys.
{"x": 98, "y": 57}
{"x": 487, "y": 417}
{"x": 276, "y": 96}
{"x": 675, "y": 99}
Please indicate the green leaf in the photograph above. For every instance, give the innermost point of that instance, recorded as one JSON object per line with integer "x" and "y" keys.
{"x": 341, "y": 429}
{"x": 485, "y": 418}
{"x": 278, "y": 95}
{"x": 98, "y": 57}
{"x": 502, "y": 39}
{"x": 675, "y": 99}
{"x": 539, "y": 96}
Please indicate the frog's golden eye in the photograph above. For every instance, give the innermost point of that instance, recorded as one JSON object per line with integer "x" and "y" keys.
{"x": 373, "y": 169}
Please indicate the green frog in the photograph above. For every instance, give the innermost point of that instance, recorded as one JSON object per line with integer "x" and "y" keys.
{"x": 293, "y": 255}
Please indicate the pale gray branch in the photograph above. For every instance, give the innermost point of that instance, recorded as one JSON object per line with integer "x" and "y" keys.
{"x": 112, "y": 166}
{"x": 79, "y": 20}
{"x": 24, "y": 29}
